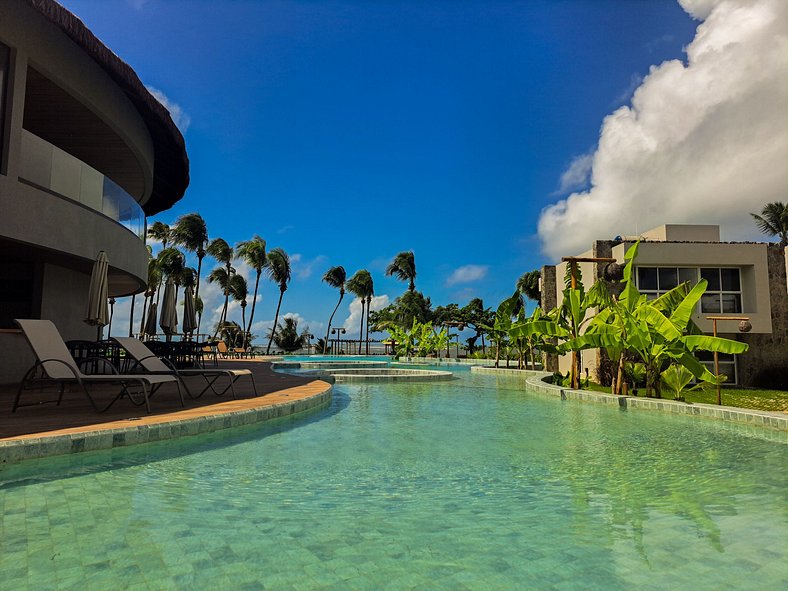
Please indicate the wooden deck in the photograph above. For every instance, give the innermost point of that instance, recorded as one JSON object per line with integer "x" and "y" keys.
{"x": 75, "y": 415}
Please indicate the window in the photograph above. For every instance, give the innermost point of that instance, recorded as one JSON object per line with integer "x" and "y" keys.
{"x": 654, "y": 281}
{"x": 723, "y": 294}
{"x": 727, "y": 364}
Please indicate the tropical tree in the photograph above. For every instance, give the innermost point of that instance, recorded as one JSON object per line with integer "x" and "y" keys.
{"x": 161, "y": 232}
{"x": 528, "y": 285}
{"x": 222, "y": 253}
{"x": 369, "y": 303}
{"x": 361, "y": 286}
{"x": 403, "y": 267}
{"x": 253, "y": 253}
{"x": 659, "y": 331}
{"x": 773, "y": 221}
{"x": 154, "y": 279}
{"x": 278, "y": 271}
{"x": 190, "y": 232}
{"x": 402, "y": 311}
{"x": 287, "y": 338}
{"x": 239, "y": 290}
{"x": 335, "y": 277}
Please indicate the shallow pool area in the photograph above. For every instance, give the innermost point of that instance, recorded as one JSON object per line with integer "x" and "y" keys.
{"x": 467, "y": 484}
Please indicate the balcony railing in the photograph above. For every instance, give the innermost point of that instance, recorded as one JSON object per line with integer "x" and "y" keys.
{"x": 48, "y": 166}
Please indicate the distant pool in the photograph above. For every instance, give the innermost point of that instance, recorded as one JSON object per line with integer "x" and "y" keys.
{"x": 337, "y": 358}
{"x": 465, "y": 484}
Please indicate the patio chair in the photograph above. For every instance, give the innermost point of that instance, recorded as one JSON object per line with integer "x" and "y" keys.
{"x": 153, "y": 365}
{"x": 221, "y": 348}
{"x": 55, "y": 364}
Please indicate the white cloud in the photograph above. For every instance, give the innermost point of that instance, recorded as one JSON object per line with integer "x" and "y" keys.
{"x": 577, "y": 173}
{"x": 303, "y": 268}
{"x": 179, "y": 116}
{"x": 704, "y": 142}
{"x": 467, "y": 274}
{"x": 353, "y": 322}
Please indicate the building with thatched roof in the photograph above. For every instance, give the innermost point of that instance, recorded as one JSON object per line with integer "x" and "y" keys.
{"x": 86, "y": 153}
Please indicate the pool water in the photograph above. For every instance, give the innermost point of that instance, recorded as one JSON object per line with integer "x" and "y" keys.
{"x": 470, "y": 484}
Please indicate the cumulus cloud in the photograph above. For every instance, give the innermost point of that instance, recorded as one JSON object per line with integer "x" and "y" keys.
{"x": 701, "y": 142}
{"x": 467, "y": 274}
{"x": 353, "y": 321}
{"x": 577, "y": 173}
{"x": 179, "y": 116}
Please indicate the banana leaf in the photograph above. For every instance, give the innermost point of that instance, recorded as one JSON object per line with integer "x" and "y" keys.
{"x": 711, "y": 343}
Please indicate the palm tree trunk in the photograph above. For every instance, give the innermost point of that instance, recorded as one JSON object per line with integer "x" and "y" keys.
{"x": 276, "y": 319}
{"x": 243, "y": 323}
{"x": 131, "y": 314}
{"x": 144, "y": 313}
{"x": 254, "y": 303}
{"x": 328, "y": 330}
{"x": 223, "y": 315}
{"x": 197, "y": 289}
{"x": 369, "y": 303}
{"x": 361, "y": 328}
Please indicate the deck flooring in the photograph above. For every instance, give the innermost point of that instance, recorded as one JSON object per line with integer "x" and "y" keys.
{"x": 75, "y": 414}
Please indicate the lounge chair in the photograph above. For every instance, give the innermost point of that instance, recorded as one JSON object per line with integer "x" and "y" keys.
{"x": 55, "y": 364}
{"x": 153, "y": 365}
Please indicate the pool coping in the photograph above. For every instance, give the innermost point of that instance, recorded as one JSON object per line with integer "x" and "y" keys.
{"x": 183, "y": 423}
{"x": 535, "y": 381}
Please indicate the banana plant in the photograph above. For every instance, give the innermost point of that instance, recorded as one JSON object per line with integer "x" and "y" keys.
{"x": 658, "y": 331}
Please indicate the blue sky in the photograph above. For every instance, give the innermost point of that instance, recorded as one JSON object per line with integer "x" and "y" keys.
{"x": 346, "y": 132}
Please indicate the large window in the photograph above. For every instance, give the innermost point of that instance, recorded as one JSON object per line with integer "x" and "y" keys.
{"x": 723, "y": 294}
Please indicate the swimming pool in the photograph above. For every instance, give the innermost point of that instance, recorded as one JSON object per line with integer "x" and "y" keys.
{"x": 465, "y": 484}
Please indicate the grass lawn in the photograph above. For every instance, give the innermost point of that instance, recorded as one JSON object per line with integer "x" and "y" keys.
{"x": 772, "y": 400}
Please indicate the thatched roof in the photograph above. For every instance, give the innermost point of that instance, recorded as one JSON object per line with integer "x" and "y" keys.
{"x": 170, "y": 162}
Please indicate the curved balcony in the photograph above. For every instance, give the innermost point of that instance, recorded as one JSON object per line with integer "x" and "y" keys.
{"x": 52, "y": 169}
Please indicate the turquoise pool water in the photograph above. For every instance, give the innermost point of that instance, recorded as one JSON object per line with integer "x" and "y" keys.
{"x": 470, "y": 484}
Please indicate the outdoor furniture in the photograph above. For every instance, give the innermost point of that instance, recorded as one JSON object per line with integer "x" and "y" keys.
{"x": 221, "y": 348}
{"x": 54, "y": 364}
{"x": 154, "y": 365}
{"x": 209, "y": 350}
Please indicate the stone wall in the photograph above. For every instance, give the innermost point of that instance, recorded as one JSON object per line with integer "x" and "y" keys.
{"x": 549, "y": 301}
{"x": 766, "y": 363}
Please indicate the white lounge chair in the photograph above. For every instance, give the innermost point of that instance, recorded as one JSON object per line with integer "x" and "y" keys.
{"x": 153, "y": 365}
{"x": 54, "y": 364}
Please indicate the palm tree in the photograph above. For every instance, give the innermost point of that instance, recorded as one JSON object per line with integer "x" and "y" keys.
{"x": 161, "y": 232}
{"x": 360, "y": 285}
{"x": 134, "y": 296}
{"x": 369, "y": 302}
{"x": 278, "y": 271}
{"x": 240, "y": 290}
{"x": 191, "y": 233}
{"x": 773, "y": 221}
{"x": 403, "y": 267}
{"x": 154, "y": 279}
{"x": 223, "y": 253}
{"x": 335, "y": 277}
{"x": 253, "y": 253}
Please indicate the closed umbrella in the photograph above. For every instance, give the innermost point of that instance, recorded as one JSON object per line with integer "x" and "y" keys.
{"x": 168, "y": 319}
{"x": 150, "y": 323}
{"x": 97, "y": 312}
{"x": 189, "y": 315}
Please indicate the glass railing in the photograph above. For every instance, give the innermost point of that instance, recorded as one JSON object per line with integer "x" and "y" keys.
{"x": 58, "y": 171}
